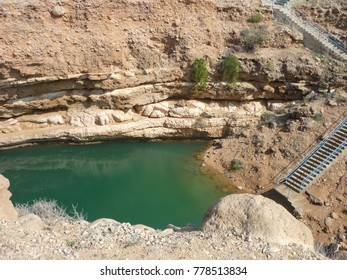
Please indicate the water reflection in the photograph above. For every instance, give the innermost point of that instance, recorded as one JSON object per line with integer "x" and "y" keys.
{"x": 148, "y": 183}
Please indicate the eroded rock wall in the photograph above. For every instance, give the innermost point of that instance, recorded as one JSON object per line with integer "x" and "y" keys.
{"x": 7, "y": 211}
{"x": 103, "y": 66}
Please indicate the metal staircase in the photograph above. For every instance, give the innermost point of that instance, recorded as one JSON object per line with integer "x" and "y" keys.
{"x": 327, "y": 42}
{"x": 314, "y": 164}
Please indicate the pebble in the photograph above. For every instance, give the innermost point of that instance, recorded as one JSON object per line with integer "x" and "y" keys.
{"x": 334, "y": 215}
{"x": 58, "y": 11}
{"x": 328, "y": 222}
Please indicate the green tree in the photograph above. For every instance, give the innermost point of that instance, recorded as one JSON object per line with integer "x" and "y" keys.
{"x": 200, "y": 74}
{"x": 231, "y": 69}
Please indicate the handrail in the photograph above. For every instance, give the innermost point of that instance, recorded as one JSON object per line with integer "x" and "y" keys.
{"x": 331, "y": 134}
{"x": 313, "y": 144}
{"x": 325, "y": 38}
{"x": 337, "y": 43}
{"x": 319, "y": 168}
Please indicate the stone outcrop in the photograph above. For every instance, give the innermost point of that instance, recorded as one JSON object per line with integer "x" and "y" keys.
{"x": 87, "y": 80}
{"x": 255, "y": 216}
{"x": 7, "y": 211}
{"x": 165, "y": 119}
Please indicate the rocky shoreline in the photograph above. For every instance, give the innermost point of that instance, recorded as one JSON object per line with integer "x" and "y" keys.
{"x": 236, "y": 227}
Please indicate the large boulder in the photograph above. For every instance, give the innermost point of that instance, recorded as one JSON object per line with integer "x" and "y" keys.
{"x": 7, "y": 211}
{"x": 255, "y": 216}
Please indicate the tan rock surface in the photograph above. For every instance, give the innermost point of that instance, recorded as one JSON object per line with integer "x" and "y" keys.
{"x": 7, "y": 211}
{"x": 31, "y": 223}
{"x": 255, "y": 216}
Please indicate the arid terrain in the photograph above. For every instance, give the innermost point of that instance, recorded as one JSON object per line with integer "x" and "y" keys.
{"x": 81, "y": 71}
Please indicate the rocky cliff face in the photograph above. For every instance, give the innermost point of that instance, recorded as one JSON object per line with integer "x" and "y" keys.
{"x": 7, "y": 211}
{"x": 104, "y": 65}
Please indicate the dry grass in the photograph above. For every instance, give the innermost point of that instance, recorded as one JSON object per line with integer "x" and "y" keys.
{"x": 49, "y": 210}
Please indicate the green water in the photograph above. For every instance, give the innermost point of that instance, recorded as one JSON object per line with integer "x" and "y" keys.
{"x": 151, "y": 183}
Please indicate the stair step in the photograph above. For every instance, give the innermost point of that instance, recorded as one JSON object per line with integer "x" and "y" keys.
{"x": 309, "y": 171}
{"x": 310, "y": 176}
{"x": 339, "y": 135}
{"x": 301, "y": 173}
{"x": 331, "y": 146}
{"x": 295, "y": 179}
{"x": 324, "y": 152}
{"x": 314, "y": 161}
{"x": 292, "y": 186}
{"x": 311, "y": 165}
{"x": 336, "y": 141}
{"x": 344, "y": 130}
{"x": 318, "y": 158}
{"x": 325, "y": 156}
{"x": 328, "y": 149}
{"x": 322, "y": 157}
{"x": 299, "y": 185}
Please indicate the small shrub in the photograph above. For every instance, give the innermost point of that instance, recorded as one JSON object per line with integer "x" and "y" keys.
{"x": 280, "y": 111}
{"x": 236, "y": 164}
{"x": 256, "y": 18}
{"x": 318, "y": 117}
{"x": 253, "y": 37}
{"x": 45, "y": 209}
{"x": 231, "y": 69}
{"x": 255, "y": 168}
{"x": 200, "y": 74}
{"x": 79, "y": 216}
{"x": 258, "y": 141}
{"x": 270, "y": 66}
{"x": 71, "y": 243}
{"x": 133, "y": 241}
{"x": 328, "y": 250}
{"x": 48, "y": 210}
{"x": 268, "y": 118}
{"x": 312, "y": 96}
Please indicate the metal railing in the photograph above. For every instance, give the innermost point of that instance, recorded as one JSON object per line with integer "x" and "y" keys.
{"x": 322, "y": 143}
{"x": 327, "y": 40}
{"x": 312, "y": 148}
{"x": 320, "y": 167}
